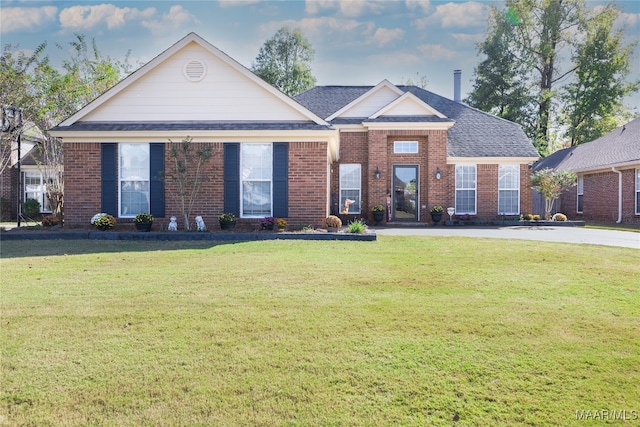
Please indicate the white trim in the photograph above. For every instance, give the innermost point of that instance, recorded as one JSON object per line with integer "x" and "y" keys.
{"x": 189, "y": 38}
{"x": 636, "y": 177}
{"x": 359, "y": 201}
{"x": 243, "y": 180}
{"x": 408, "y": 125}
{"x": 490, "y": 160}
{"x": 405, "y": 143}
{"x": 120, "y": 180}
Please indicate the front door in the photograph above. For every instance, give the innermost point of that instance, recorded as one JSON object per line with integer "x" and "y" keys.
{"x": 405, "y": 193}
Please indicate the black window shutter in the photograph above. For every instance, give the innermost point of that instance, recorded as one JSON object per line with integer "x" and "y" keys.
{"x": 232, "y": 178}
{"x": 281, "y": 179}
{"x": 156, "y": 173}
{"x": 109, "y": 180}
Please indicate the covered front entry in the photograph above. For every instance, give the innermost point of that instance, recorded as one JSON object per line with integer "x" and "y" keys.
{"x": 405, "y": 193}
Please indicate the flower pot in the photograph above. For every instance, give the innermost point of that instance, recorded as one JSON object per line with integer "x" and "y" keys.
{"x": 144, "y": 226}
{"x": 378, "y": 216}
{"x": 436, "y": 217}
{"x": 227, "y": 225}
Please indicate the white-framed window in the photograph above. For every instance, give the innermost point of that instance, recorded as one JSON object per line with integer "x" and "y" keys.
{"x": 465, "y": 189}
{"x": 580, "y": 194}
{"x": 133, "y": 179}
{"x": 350, "y": 187}
{"x": 509, "y": 189}
{"x": 405, "y": 147}
{"x": 637, "y": 191}
{"x": 256, "y": 174}
{"x": 35, "y": 188}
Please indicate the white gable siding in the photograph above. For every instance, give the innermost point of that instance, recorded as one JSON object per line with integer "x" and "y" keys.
{"x": 371, "y": 104}
{"x": 165, "y": 94}
{"x": 408, "y": 107}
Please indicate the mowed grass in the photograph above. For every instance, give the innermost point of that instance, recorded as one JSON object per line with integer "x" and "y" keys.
{"x": 401, "y": 331}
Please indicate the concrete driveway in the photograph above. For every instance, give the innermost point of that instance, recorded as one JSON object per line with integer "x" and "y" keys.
{"x": 580, "y": 235}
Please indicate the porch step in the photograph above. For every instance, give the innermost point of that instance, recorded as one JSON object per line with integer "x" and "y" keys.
{"x": 406, "y": 224}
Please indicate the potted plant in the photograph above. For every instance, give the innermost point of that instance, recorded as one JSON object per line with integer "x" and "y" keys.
{"x": 267, "y": 223}
{"x": 103, "y": 221}
{"x": 143, "y": 221}
{"x": 282, "y": 224}
{"x": 378, "y": 213}
{"x": 436, "y": 214}
{"x": 333, "y": 223}
{"x": 227, "y": 221}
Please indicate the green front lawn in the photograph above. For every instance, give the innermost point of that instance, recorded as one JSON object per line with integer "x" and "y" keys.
{"x": 401, "y": 331}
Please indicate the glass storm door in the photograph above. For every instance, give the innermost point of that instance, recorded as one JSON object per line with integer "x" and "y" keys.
{"x": 405, "y": 193}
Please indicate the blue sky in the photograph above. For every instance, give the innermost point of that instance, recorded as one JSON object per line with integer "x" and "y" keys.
{"x": 356, "y": 42}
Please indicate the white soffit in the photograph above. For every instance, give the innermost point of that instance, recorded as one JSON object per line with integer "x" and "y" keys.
{"x": 407, "y": 105}
{"x": 369, "y": 102}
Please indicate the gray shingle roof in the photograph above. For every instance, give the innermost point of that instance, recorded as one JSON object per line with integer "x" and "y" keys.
{"x": 474, "y": 134}
{"x": 191, "y": 125}
{"x": 621, "y": 146}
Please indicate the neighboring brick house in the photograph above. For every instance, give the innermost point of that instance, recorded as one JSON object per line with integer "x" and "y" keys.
{"x": 608, "y": 170}
{"x": 275, "y": 155}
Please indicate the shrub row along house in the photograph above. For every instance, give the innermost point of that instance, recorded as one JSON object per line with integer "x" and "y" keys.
{"x": 608, "y": 170}
{"x": 299, "y": 158}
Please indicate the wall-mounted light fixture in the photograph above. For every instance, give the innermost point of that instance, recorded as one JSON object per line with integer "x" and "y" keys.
{"x": 376, "y": 174}
{"x": 438, "y": 174}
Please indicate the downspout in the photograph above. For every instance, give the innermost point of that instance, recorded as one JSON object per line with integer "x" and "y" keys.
{"x": 619, "y": 194}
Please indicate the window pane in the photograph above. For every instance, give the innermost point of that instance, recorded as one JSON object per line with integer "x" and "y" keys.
{"x": 256, "y": 175}
{"x": 509, "y": 189}
{"x": 134, "y": 197}
{"x": 134, "y": 179}
{"x": 405, "y": 147}
{"x": 256, "y": 198}
{"x": 256, "y": 161}
{"x": 465, "y": 189}
{"x": 350, "y": 178}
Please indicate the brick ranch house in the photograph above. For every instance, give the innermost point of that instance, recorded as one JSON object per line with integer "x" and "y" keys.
{"x": 608, "y": 170}
{"x": 300, "y": 158}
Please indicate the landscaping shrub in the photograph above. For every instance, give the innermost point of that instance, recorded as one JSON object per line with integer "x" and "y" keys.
{"x": 357, "y": 227}
{"x": 31, "y": 208}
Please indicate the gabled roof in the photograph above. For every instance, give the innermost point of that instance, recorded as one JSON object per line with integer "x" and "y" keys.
{"x": 618, "y": 148}
{"x": 149, "y": 72}
{"x": 474, "y": 134}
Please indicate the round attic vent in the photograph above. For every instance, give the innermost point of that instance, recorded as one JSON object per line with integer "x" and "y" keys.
{"x": 194, "y": 70}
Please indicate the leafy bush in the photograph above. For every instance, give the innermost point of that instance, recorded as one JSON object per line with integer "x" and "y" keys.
{"x": 103, "y": 221}
{"x": 31, "y": 208}
{"x": 357, "y": 227}
{"x": 267, "y": 222}
{"x": 144, "y": 218}
{"x": 227, "y": 217}
{"x": 437, "y": 209}
{"x": 281, "y": 222}
{"x": 50, "y": 221}
{"x": 333, "y": 221}
{"x": 378, "y": 208}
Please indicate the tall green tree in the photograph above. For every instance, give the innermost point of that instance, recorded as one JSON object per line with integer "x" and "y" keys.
{"x": 547, "y": 37}
{"x": 47, "y": 95}
{"x": 594, "y": 99}
{"x": 284, "y": 61}
{"x": 501, "y": 86}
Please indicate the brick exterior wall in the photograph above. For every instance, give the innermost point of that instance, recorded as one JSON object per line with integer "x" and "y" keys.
{"x": 307, "y": 186}
{"x": 600, "y": 198}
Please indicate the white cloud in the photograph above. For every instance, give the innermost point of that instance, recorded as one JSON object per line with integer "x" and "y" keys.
{"x": 174, "y": 19}
{"x": 456, "y": 15}
{"x": 234, "y": 3}
{"x": 424, "y": 5}
{"x": 467, "y": 39}
{"x": 436, "y": 52}
{"x": 25, "y": 18}
{"x": 629, "y": 19}
{"x": 87, "y": 17}
{"x": 385, "y": 36}
{"x": 348, "y": 8}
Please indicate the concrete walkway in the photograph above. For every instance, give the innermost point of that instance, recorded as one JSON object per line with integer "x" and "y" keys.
{"x": 580, "y": 235}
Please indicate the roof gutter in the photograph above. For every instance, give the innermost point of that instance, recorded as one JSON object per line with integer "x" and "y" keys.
{"x": 619, "y": 194}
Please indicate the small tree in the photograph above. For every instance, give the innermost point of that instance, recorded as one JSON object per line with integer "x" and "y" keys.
{"x": 551, "y": 183}
{"x": 187, "y": 173}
